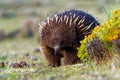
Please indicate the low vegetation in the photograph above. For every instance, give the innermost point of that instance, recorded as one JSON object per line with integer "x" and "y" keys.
{"x": 21, "y": 59}
{"x": 107, "y": 33}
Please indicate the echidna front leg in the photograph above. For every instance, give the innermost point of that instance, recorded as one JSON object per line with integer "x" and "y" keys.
{"x": 70, "y": 58}
{"x": 54, "y": 60}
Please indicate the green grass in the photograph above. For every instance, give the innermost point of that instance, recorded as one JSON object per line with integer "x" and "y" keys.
{"x": 15, "y": 50}
{"x": 108, "y": 6}
{"x": 10, "y": 24}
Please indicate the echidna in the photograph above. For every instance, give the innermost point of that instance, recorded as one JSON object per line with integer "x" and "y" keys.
{"x": 61, "y": 34}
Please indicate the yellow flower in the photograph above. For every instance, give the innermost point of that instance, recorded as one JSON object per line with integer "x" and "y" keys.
{"x": 111, "y": 38}
{"x": 97, "y": 28}
{"x": 116, "y": 12}
{"x": 91, "y": 36}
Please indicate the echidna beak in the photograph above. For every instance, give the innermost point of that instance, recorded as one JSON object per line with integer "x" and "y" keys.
{"x": 56, "y": 50}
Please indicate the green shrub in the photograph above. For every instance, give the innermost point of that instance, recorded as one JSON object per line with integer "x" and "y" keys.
{"x": 107, "y": 33}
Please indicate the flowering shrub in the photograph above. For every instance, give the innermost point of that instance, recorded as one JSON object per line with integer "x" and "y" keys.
{"x": 107, "y": 33}
{"x": 82, "y": 52}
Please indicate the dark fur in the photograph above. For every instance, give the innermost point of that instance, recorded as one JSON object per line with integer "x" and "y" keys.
{"x": 61, "y": 38}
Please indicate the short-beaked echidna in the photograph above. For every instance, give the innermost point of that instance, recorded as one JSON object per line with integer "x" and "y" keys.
{"x": 61, "y": 34}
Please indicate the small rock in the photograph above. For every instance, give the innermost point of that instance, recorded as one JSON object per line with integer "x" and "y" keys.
{"x": 37, "y": 50}
{"x": 36, "y": 71}
{"x": 14, "y": 65}
{"x": 51, "y": 78}
{"x": 33, "y": 64}
{"x": 27, "y": 54}
{"x": 2, "y": 64}
{"x": 33, "y": 58}
{"x": 23, "y": 64}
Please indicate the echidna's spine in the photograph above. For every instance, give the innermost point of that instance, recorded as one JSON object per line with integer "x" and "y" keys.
{"x": 84, "y": 22}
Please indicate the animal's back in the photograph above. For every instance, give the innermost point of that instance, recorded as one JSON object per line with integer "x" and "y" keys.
{"x": 83, "y": 22}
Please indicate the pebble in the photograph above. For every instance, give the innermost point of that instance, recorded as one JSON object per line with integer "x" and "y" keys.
{"x": 27, "y": 54}
{"x": 14, "y": 65}
{"x": 33, "y": 58}
{"x": 2, "y": 64}
{"x": 23, "y": 64}
{"x": 37, "y": 50}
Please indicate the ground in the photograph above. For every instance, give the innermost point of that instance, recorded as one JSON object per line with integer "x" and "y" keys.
{"x": 16, "y": 50}
{"x": 20, "y": 49}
